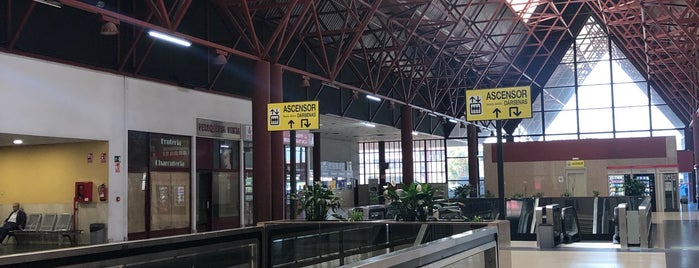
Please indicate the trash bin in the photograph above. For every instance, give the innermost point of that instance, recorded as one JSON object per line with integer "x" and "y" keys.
{"x": 97, "y": 233}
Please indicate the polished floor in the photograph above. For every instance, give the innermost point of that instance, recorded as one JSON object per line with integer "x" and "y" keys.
{"x": 675, "y": 244}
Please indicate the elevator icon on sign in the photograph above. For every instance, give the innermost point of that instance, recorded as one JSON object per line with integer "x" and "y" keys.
{"x": 274, "y": 117}
{"x": 475, "y": 106}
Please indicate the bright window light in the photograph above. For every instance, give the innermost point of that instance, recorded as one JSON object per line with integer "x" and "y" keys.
{"x": 372, "y": 97}
{"x": 170, "y": 38}
{"x": 18, "y": 141}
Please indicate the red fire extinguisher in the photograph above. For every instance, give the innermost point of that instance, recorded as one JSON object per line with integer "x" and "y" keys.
{"x": 102, "y": 192}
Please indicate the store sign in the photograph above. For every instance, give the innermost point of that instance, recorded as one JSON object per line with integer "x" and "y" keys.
{"x": 498, "y": 103}
{"x": 218, "y": 129}
{"x": 303, "y": 139}
{"x": 293, "y": 116}
{"x": 169, "y": 151}
{"x": 575, "y": 163}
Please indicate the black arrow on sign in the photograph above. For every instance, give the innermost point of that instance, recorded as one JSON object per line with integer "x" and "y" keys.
{"x": 497, "y": 112}
{"x": 291, "y": 123}
{"x": 515, "y": 110}
{"x": 305, "y": 123}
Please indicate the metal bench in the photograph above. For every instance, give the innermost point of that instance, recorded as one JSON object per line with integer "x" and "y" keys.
{"x": 46, "y": 226}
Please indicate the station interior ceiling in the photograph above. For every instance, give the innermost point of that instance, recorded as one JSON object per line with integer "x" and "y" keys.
{"x": 420, "y": 53}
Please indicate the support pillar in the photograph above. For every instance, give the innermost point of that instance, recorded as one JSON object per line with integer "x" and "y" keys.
{"x": 406, "y": 138}
{"x": 262, "y": 181}
{"x": 277, "y": 166}
{"x": 695, "y": 149}
{"x": 316, "y": 158}
{"x": 473, "y": 170}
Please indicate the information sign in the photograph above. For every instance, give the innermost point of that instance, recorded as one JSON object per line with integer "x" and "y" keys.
{"x": 498, "y": 103}
{"x": 293, "y": 116}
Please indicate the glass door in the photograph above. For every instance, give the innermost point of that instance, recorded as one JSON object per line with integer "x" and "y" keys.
{"x": 204, "y": 201}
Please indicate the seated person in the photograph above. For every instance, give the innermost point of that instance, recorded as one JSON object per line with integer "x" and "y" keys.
{"x": 15, "y": 221}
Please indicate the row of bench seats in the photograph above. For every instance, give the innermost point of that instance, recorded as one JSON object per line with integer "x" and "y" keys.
{"x": 41, "y": 225}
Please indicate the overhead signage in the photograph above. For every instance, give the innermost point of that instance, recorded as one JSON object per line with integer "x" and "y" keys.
{"x": 212, "y": 128}
{"x": 575, "y": 163}
{"x": 293, "y": 116}
{"x": 498, "y": 103}
{"x": 169, "y": 151}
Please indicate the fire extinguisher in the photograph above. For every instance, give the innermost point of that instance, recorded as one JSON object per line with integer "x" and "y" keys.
{"x": 102, "y": 192}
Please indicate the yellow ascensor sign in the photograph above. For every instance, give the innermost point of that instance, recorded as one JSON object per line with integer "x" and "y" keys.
{"x": 498, "y": 103}
{"x": 292, "y": 116}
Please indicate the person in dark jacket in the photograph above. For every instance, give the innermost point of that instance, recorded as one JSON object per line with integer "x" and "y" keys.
{"x": 15, "y": 221}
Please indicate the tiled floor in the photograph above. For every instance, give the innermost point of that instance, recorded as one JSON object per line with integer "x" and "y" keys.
{"x": 675, "y": 244}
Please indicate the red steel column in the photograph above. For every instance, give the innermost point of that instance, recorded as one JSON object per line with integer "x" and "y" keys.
{"x": 473, "y": 172}
{"x": 695, "y": 137}
{"x": 262, "y": 205}
{"x": 316, "y": 158}
{"x": 277, "y": 148}
{"x": 406, "y": 140}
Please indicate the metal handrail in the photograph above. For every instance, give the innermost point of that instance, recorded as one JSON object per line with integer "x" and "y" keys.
{"x": 645, "y": 221}
{"x": 441, "y": 252}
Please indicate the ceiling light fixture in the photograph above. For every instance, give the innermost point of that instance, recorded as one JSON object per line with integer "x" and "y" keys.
{"x": 18, "y": 141}
{"x": 53, "y": 3}
{"x": 453, "y": 120}
{"x": 372, "y": 97}
{"x": 305, "y": 81}
{"x": 109, "y": 27}
{"x": 414, "y": 133}
{"x": 366, "y": 124}
{"x": 169, "y": 38}
{"x": 221, "y": 57}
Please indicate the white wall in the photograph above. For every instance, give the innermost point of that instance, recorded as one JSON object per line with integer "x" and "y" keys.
{"x": 49, "y": 99}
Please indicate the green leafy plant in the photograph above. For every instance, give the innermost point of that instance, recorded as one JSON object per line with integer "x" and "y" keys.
{"x": 566, "y": 194}
{"x": 633, "y": 187}
{"x": 489, "y": 194}
{"x": 316, "y": 201}
{"x": 595, "y": 193}
{"x": 355, "y": 215}
{"x": 517, "y": 195}
{"x": 538, "y": 195}
{"x": 462, "y": 190}
{"x": 476, "y": 219}
{"x": 412, "y": 202}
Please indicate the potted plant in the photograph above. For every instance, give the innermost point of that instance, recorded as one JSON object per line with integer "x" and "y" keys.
{"x": 411, "y": 202}
{"x": 595, "y": 193}
{"x": 316, "y": 201}
{"x": 633, "y": 187}
{"x": 462, "y": 191}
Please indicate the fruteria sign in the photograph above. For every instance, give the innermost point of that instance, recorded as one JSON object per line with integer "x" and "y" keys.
{"x": 498, "y": 103}
{"x": 293, "y": 116}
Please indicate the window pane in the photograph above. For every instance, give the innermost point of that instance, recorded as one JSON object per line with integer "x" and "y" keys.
{"x": 560, "y": 98}
{"x": 563, "y": 76}
{"x": 630, "y": 94}
{"x": 536, "y": 104}
{"x": 599, "y": 96}
{"x": 608, "y": 135}
{"x": 679, "y": 137}
{"x": 561, "y": 137}
{"x": 594, "y": 73}
{"x": 457, "y": 148}
{"x": 664, "y": 118}
{"x": 632, "y": 118}
{"x": 655, "y": 98}
{"x": 530, "y": 126}
{"x": 636, "y": 134}
{"x": 562, "y": 122}
{"x": 596, "y": 120}
{"x": 623, "y": 71}
{"x": 616, "y": 52}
